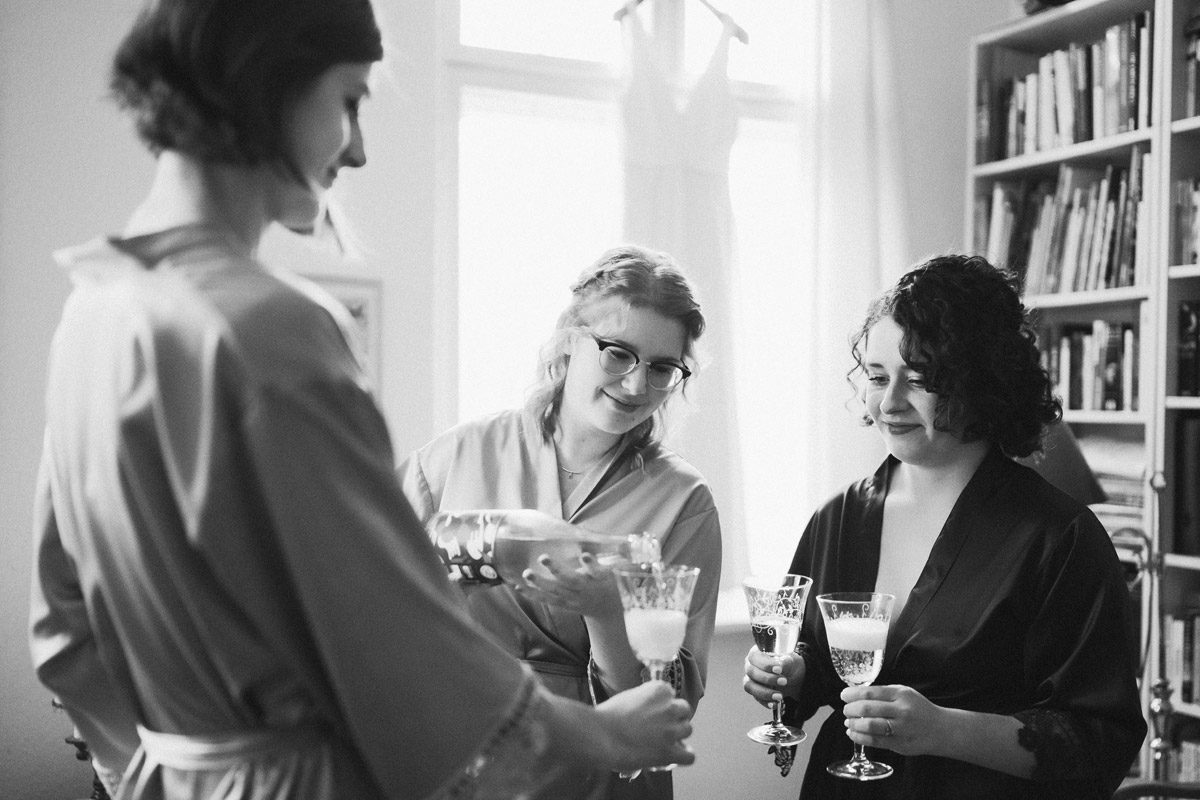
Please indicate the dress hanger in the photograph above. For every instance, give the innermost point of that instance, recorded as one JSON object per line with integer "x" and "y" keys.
{"x": 739, "y": 32}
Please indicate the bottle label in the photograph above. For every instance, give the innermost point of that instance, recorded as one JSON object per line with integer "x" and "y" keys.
{"x": 468, "y": 551}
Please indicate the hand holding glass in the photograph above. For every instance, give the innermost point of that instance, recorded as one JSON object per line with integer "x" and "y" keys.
{"x": 776, "y": 614}
{"x": 656, "y": 599}
{"x": 856, "y": 625}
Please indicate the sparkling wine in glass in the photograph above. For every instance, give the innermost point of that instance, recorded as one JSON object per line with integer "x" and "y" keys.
{"x": 656, "y": 599}
{"x": 856, "y": 625}
{"x": 776, "y": 613}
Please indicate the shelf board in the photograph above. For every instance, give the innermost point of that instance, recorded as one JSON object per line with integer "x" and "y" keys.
{"x": 1117, "y": 509}
{"x": 1184, "y": 271}
{"x": 1182, "y": 562}
{"x": 1186, "y": 125}
{"x": 1099, "y": 297}
{"x": 1054, "y": 28}
{"x": 1181, "y": 403}
{"x": 1095, "y": 150}
{"x": 1079, "y": 416}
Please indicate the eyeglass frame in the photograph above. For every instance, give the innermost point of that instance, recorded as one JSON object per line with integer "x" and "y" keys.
{"x": 604, "y": 344}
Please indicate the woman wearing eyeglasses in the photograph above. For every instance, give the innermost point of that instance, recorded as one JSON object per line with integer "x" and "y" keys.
{"x": 586, "y": 447}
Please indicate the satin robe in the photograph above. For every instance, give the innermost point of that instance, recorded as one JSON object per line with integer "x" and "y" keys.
{"x": 1021, "y": 609}
{"x": 498, "y": 462}
{"x": 221, "y": 544}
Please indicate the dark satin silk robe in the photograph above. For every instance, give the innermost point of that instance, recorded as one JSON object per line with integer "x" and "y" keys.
{"x": 1021, "y": 609}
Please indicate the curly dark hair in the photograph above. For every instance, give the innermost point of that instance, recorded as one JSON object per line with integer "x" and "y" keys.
{"x": 211, "y": 78}
{"x": 969, "y": 336}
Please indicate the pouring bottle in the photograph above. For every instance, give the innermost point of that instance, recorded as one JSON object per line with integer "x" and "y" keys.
{"x": 493, "y": 546}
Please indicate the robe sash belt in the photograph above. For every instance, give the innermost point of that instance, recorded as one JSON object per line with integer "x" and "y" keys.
{"x": 222, "y": 752}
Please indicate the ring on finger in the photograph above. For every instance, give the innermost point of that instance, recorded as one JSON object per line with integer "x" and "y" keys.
{"x": 888, "y": 722}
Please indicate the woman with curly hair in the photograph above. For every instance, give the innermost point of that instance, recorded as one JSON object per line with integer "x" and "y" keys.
{"x": 586, "y": 448}
{"x": 1009, "y": 670}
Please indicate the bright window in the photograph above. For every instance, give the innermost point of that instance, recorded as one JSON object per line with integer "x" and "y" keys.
{"x": 539, "y": 199}
{"x": 531, "y": 98}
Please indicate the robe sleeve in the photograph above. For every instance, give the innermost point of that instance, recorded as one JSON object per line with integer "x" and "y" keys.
{"x": 65, "y": 652}
{"x": 404, "y": 661}
{"x": 696, "y": 540}
{"x": 1086, "y": 723}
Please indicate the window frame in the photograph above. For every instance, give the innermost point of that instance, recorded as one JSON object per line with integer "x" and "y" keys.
{"x": 460, "y": 66}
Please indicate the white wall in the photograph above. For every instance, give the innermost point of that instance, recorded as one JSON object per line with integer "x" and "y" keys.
{"x": 70, "y": 169}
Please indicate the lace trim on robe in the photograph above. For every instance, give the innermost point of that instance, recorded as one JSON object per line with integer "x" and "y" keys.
{"x": 1060, "y": 752}
{"x": 515, "y": 762}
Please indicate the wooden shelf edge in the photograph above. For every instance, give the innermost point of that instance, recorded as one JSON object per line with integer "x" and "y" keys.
{"x": 1071, "y": 152}
{"x": 1176, "y": 561}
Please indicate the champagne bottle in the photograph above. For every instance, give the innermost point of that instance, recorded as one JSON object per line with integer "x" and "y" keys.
{"x": 492, "y": 546}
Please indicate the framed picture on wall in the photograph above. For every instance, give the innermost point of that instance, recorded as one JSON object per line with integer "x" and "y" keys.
{"x": 363, "y": 298}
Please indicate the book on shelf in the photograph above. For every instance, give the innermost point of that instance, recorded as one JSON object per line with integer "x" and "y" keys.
{"x": 1180, "y": 650}
{"x": 1083, "y": 91}
{"x": 1076, "y": 232}
{"x": 1191, "y": 85}
{"x": 1145, "y": 35}
{"x": 1182, "y": 761}
{"x": 1187, "y": 351}
{"x": 1129, "y": 367}
{"x": 1185, "y": 233}
{"x": 983, "y": 118}
{"x": 1188, "y": 758}
{"x": 1119, "y": 467}
{"x": 1006, "y": 220}
{"x": 1187, "y": 487}
{"x": 1093, "y": 367}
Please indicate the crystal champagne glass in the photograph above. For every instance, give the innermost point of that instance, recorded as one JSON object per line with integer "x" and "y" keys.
{"x": 776, "y": 614}
{"x": 856, "y": 625}
{"x": 656, "y": 599}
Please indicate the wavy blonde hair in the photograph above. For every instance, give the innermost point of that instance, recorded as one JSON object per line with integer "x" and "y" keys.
{"x": 639, "y": 278}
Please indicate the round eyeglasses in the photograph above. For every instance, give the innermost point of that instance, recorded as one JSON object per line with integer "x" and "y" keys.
{"x": 618, "y": 360}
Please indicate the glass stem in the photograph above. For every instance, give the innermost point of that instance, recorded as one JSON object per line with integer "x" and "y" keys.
{"x": 777, "y": 714}
{"x": 657, "y": 668}
{"x": 860, "y": 754}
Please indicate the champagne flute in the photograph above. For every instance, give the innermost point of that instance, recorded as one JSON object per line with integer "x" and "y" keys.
{"x": 776, "y": 614}
{"x": 856, "y": 625}
{"x": 656, "y": 599}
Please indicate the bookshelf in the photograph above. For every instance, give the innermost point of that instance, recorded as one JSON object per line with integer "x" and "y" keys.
{"x": 1077, "y": 138}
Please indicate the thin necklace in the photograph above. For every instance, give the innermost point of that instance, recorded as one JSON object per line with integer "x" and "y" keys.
{"x": 571, "y": 473}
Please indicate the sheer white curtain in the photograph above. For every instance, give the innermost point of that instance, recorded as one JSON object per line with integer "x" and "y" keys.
{"x": 791, "y": 382}
{"x": 677, "y": 146}
{"x": 858, "y": 244}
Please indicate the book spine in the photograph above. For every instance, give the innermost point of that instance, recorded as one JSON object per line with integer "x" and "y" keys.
{"x": 1112, "y": 80}
{"x": 1145, "y": 22}
{"x": 1187, "y": 487}
{"x": 1112, "y": 396}
{"x": 983, "y": 142}
{"x": 1188, "y": 349}
{"x": 1189, "y": 78}
{"x": 1128, "y": 366}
